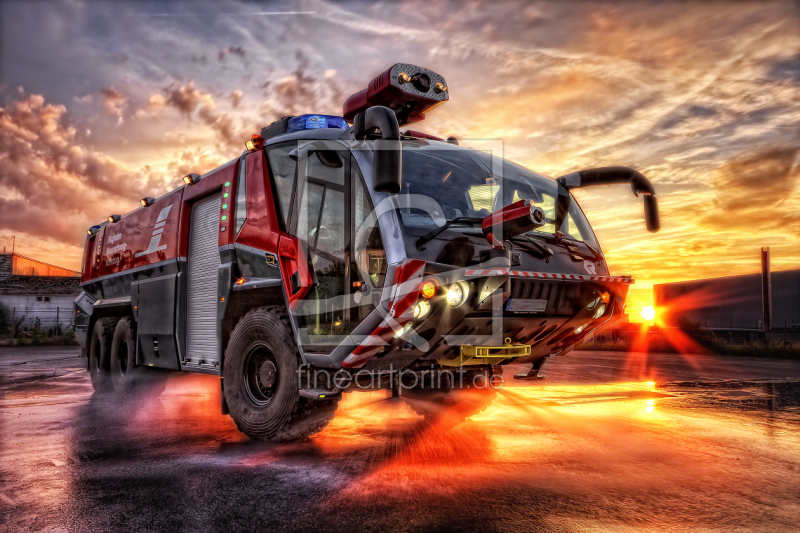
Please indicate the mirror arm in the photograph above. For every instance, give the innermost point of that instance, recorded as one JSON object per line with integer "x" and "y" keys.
{"x": 387, "y": 167}
{"x": 607, "y": 176}
{"x": 380, "y": 118}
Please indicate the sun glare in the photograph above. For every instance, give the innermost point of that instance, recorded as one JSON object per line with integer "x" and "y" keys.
{"x": 648, "y": 313}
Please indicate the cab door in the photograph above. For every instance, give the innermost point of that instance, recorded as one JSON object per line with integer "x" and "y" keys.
{"x": 320, "y": 220}
{"x": 368, "y": 264}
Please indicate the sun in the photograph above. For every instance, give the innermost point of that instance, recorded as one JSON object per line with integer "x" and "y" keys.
{"x": 648, "y": 313}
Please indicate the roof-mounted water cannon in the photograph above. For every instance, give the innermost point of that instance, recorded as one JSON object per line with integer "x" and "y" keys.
{"x": 408, "y": 90}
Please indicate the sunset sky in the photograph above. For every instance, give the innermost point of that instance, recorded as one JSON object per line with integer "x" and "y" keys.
{"x": 102, "y": 103}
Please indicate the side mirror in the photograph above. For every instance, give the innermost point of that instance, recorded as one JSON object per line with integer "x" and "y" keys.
{"x": 387, "y": 156}
{"x": 387, "y": 166}
{"x": 651, "y": 217}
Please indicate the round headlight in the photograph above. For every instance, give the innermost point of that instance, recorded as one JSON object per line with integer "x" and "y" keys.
{"x": 421, "y": 309}
{"x": 457, "y": 294}
{"x": 600, "y": 311}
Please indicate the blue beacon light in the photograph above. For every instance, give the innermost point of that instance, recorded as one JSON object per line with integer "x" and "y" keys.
{"x": 313, "y": 122}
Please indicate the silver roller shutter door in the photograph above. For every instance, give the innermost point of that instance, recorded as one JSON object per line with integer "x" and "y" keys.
{"x": 201, "y": 281}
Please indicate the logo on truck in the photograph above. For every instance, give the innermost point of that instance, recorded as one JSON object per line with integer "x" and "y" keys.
{"x": 155, "y": 240}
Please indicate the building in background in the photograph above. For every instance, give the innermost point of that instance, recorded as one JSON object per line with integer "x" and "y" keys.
{"x": 732, "y": 306}
{"x": 34, "y": 291}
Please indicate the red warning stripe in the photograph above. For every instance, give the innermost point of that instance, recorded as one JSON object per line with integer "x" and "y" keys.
{"x": 549, "y": 275}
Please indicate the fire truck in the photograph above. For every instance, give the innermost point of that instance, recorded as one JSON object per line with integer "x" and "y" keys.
{"x": 339, "y": 253}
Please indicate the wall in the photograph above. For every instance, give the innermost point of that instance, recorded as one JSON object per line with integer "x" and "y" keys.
{"x": 57, "y": 311}
{"x": 732, "y": 302}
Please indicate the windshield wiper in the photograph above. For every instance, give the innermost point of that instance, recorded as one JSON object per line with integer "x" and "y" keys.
{"x": 470, "y": 221}
{"x": 533, "y": 241}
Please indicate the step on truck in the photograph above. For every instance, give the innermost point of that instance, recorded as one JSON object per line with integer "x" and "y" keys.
{"x": 339, "y": 253}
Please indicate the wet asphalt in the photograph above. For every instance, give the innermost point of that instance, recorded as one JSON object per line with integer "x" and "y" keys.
{"x": 609, "y": 442}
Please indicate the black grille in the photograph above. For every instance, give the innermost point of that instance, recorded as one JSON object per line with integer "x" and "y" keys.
{"x": 563, "y": 297}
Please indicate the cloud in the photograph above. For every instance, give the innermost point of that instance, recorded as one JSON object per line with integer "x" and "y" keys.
{"x": 114, "y": 102}
{"x": 193, "y": 104}
{"x": 712, "y": 120}
{"x": 53, "y": 185}
{"x": 235, "y": 50}
{"x": 757, "y": 180}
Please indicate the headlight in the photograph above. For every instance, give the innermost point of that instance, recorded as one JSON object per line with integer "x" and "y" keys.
{"x": 580, "y": 328}
{"x": 421, "y": 309}
{"x": 605, "y": 297}
{"x": 403, "y": 331}
{"x": 600, "y": 311}
{"x": 457, "y": 294}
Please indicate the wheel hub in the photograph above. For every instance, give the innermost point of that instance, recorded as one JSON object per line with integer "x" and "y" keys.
{"x": 260, "y": 375}
{"x": 267, "y": 374}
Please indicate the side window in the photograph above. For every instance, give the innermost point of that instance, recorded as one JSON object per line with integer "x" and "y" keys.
{"x": 241, "y": 196}
{"x": 283, "y": 170}
{"x": 370, "y": 256}
{"x": 308, "y": 222}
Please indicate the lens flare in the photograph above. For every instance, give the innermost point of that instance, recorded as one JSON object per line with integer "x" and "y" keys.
{"x": 648, "y": 313}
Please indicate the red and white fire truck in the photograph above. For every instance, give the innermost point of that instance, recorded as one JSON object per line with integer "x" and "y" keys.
{"x": 339, "y": 253}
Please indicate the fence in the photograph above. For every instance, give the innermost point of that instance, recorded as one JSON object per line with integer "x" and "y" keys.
{"x": 50, "y": 319}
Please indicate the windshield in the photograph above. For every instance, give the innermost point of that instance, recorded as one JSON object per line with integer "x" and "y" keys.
{"x": 442, "y": 182}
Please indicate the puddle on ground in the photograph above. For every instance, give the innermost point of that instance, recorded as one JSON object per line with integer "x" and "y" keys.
{"x": 771, "y": 395}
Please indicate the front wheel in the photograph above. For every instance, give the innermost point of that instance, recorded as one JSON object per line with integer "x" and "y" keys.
{"x": 260, "y": 380}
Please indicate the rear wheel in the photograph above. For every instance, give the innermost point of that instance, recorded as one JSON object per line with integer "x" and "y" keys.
{"x": 126, "y": 377}
{"x": 261, "y": 382}
{"x": 100, "y": 354}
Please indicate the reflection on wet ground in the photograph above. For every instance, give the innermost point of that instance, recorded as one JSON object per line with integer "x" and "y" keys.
{"x": 687, "y": 453}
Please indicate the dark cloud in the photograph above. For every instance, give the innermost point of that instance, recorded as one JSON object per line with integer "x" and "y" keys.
{"x": 235, "y": 50}
{"x": 113, "y": 101}
{"x": 788, "y": 69}
{"x": 184, "y": 98}
{"x": 196, "y": 105}
{"x": 757, "y": 180}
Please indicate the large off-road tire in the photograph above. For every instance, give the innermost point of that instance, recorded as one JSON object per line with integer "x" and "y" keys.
{"x": 261, "y": 382}
{"x": 128, "y": 379}
{"x": 100, "y": 354}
